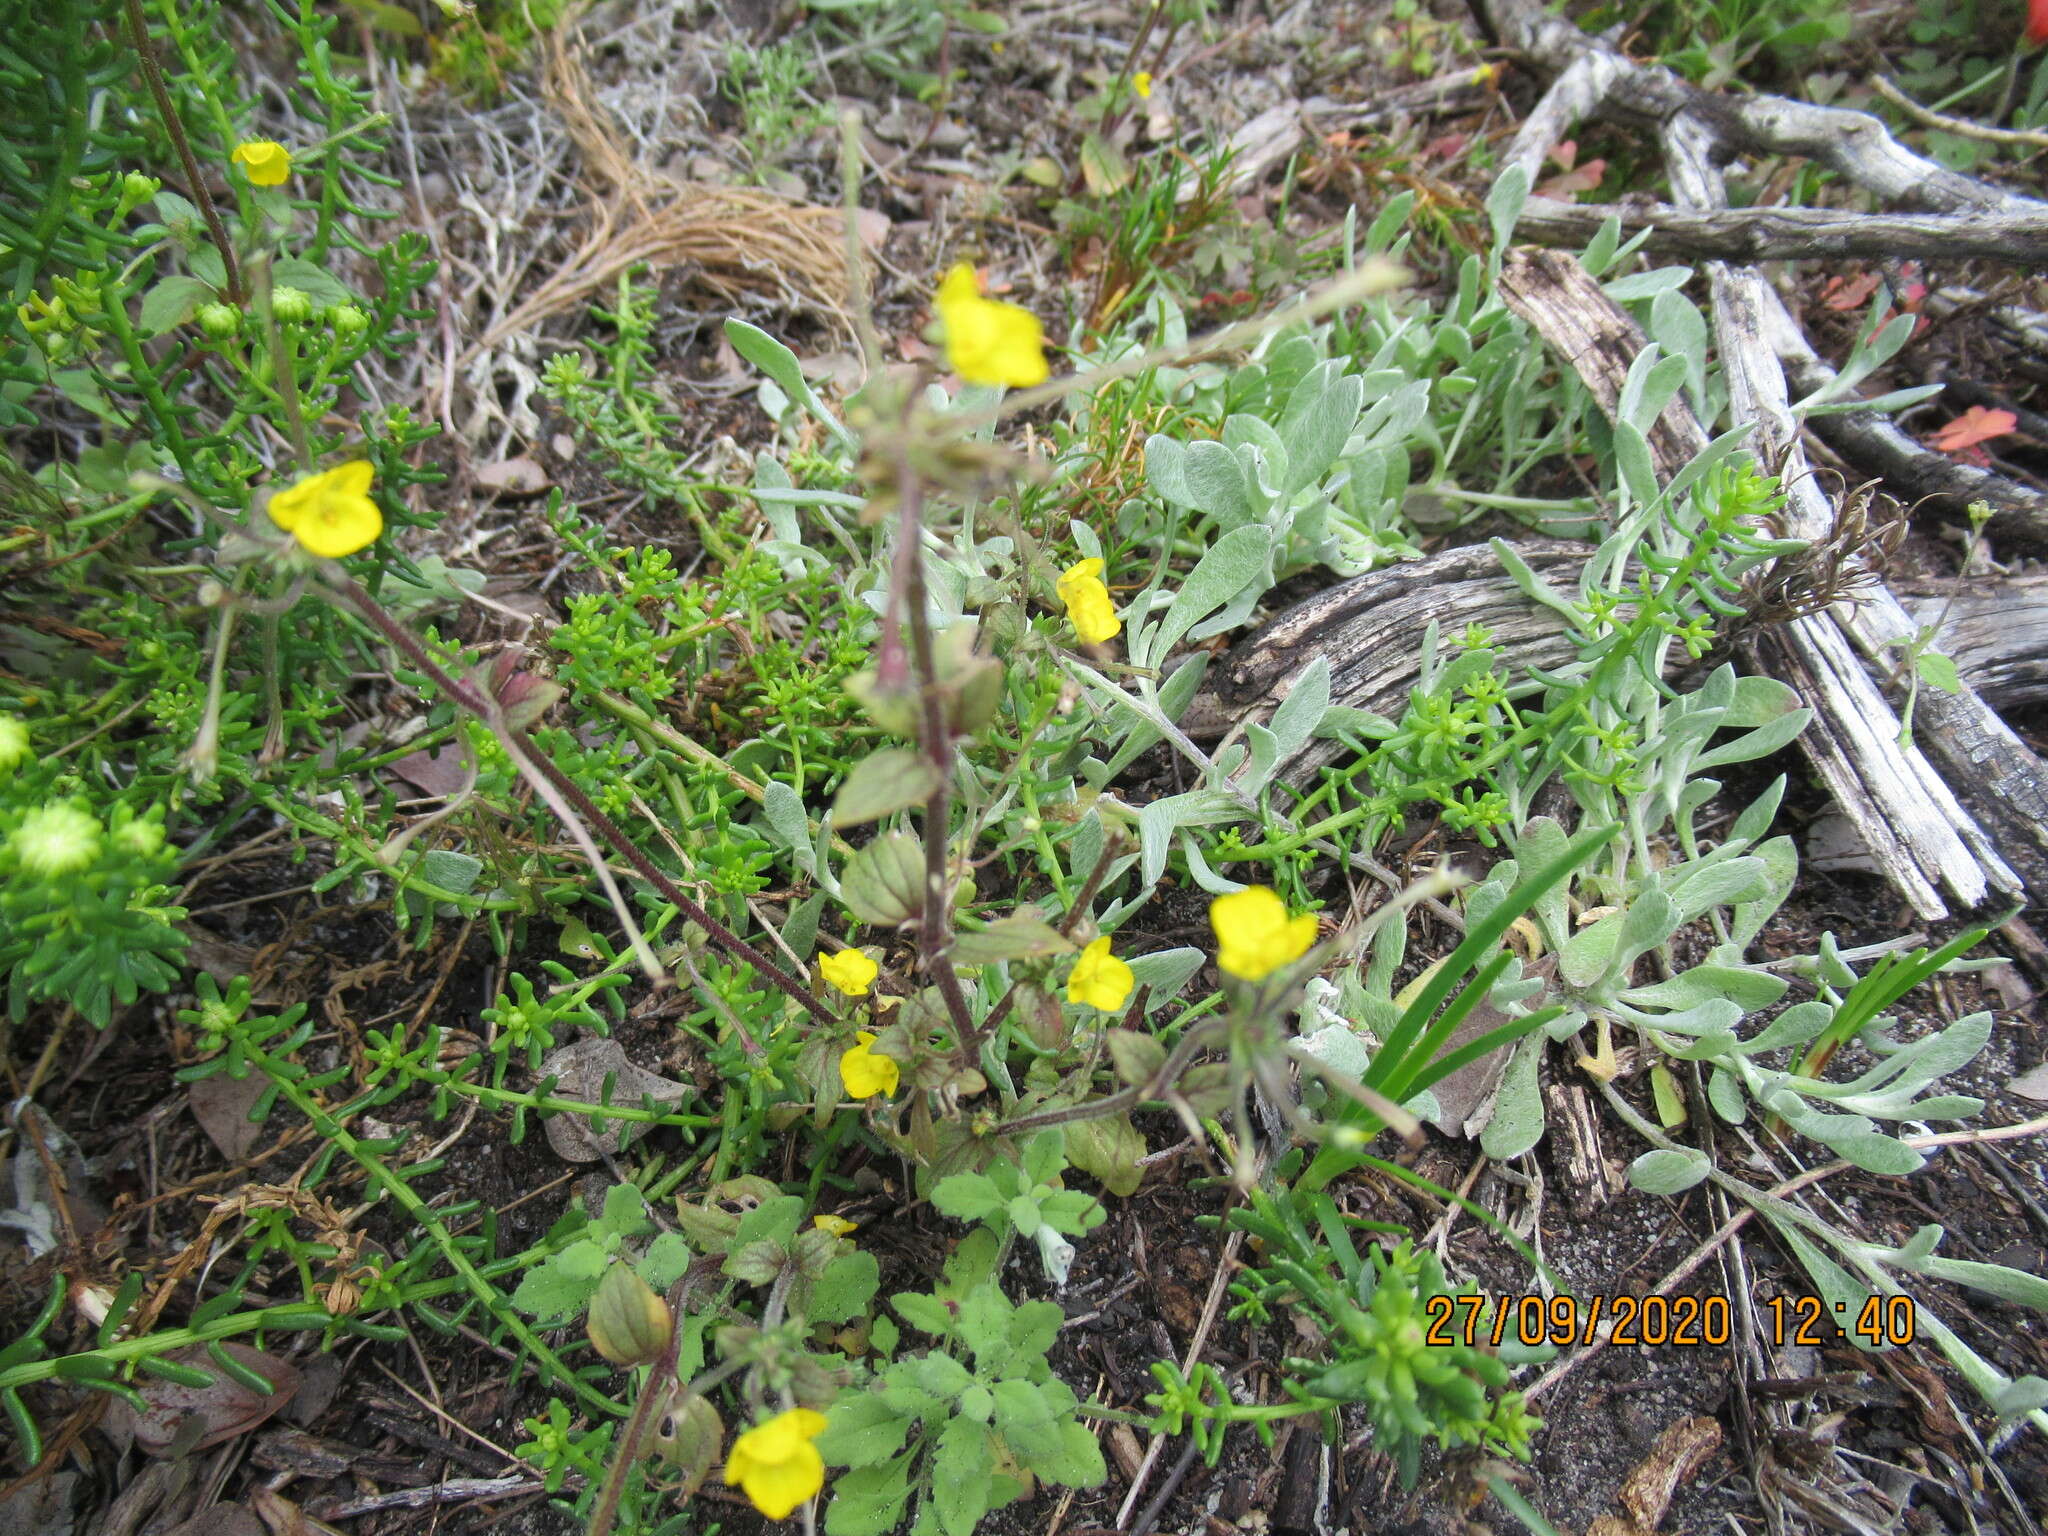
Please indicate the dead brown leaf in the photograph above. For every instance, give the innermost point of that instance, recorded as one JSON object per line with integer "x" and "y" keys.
{"x": 580, "y": 1071}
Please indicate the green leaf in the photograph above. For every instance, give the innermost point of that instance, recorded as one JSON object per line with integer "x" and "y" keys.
{"x": 1504, "y": 204}
{"x": 966, "y": 1197}
{"x": 869, "y": 1500}
{"x": 1080, "y": 1465}
{"x": 170, "y": 302}
{"x": 925, "y": 1313}
{"x": 882, "y": 783}
{"x": 1664, "y": 1172}
{"x": 1231, "y": 564}
{"x": 1010, "y": 938}
{"x": 1219, "y": 484}
{"x": 1163, "y": 972}
{"x": 1107, "y": 1149}
{"x": 861, "y": 1430}
{"x": 781, "y": 365}
{"x": 665, "y": 1260}
{"x": 562, "y": 1284}
{"x": 941, "y": 1375}
{"x": 1103, "y": 166}
{"x": 450, "y": 871}
{"x": 960, "y": 1476}
{"x": 316, "y": 282}
{"x": 1938, "y": 671}
{"x": 843, "y": 1292}
{"x": 1518, "y": 1120}
{"x": 884, "y": 881}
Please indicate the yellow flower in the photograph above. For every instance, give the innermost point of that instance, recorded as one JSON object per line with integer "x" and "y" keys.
{"x": 1486, "y": 74}
{"x": 987, "y": 340}
{"x": 865, "y": 1074}
{"x": 1088, "y": 606}
{"x": 1100, "y": 979}
{"x": 838, "y": 1226}
{"x": 330, "y": 513}
{"x": 850, "y": 971}
{"x": 1254, "y": 934}
{"x": 268, "y": 162}
{"x": 776, "y": 1464}
{"x": 1141, "y": 82}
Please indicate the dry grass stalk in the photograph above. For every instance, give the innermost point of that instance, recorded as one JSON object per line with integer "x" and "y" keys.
{"x": 739, "y": 240}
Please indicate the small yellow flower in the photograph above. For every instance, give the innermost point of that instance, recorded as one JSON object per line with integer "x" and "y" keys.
{"x": 775, "y": 1463}
{"x": 268, "y": 163}
{"x": 1486, "y": 74}
{"x": 987, "y": 340}
{"x": 1254, "y": 934}
{"x": 850, "y": 971}
{"x": 330, "y": 513}
{"x": 1088, "y": 606}
{"x": 838, "y": 1226}
{"x": 1141, "y": 82}
{"x": 864, "y": 1074}
{"x": 1100, "y": 979}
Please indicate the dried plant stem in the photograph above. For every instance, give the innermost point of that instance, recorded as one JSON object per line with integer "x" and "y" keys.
{"x": 935, "y": 926}
{"x": 545, "y": 772}
{"x": 145, "y": 51}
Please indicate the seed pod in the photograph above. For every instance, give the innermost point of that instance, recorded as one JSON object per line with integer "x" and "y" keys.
{"x": 628, "y": 1323}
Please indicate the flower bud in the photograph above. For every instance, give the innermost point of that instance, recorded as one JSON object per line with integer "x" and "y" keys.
{"x": 628, "y": 1323}
{"x": 137, "y": 189}
{"x": 220, "y": 321}
{"x": 347, "y": 321}
{"x": 292, "y": 305}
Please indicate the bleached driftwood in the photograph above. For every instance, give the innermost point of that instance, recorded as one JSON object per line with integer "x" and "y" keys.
{"x": 1928, "y": 843}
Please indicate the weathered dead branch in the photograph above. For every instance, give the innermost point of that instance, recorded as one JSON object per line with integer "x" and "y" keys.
{"x": 1925, "y": 838}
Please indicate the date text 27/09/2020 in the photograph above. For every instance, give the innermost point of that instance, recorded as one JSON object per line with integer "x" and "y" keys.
{"x": 1652, "y": 1321}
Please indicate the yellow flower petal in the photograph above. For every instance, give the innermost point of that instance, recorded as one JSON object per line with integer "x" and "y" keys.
{"x": 1099, "y": 979}
{"x": 864, "y": 1074}
{"x": 851, "y": 971}
{"x": 1089, "y": 608}
{"x": 838, "y": 1226}
{"x": 987, "y": 340}
{"x": 1254, "y": 935}
{"x": 267, "y": 162}
{"x": 331, "y": 513}
{"x": 775, "y": 1463}
{"x": 1141, "y": 82}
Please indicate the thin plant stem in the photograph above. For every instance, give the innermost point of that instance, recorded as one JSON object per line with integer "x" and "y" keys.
{"x": 523, "y": 747}
{"x": 934, "y": 926}
{"x": 145, "y": 51}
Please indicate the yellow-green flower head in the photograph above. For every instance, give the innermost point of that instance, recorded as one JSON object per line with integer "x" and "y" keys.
{"x": 776, "y": 1465}
{"x": 1100, "y": 979}
{"x": 1141, "y": 82}
{"x": 851, "y": 971}
{"x": 1254, "y": 934}
{"x": 864, "y": 1074}
{"x": 330, "y": 513}
{"x": 267, "y": 162}
{"x": 55, "y": 839}
{"x": 1089, "y": 609}
{"x": 987, "y": 340}
{"x": 13, "y": 742}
